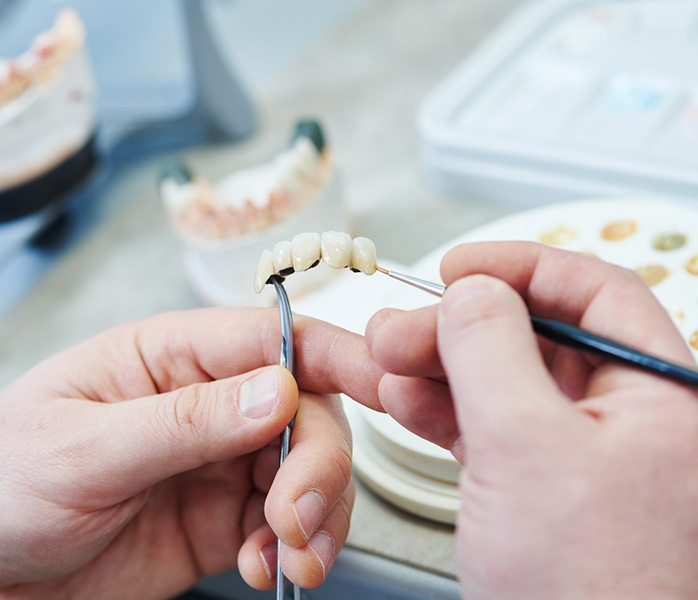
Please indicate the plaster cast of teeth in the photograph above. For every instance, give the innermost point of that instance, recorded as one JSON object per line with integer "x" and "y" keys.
{"x": 283, "y": 261}
{"x": 305, "y": 251}
{"x": 363, "y": 256}
{"x": 265, "y": 269}
{"x": 287, "y": 174}
{"x": 336, "y": 249}
{"x": 298, "y": 164}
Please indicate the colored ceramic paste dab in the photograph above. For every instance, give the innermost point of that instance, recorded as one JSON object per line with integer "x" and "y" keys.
{"x": 669, "y": 241}
{"x": 558, "y": 236}
{"x": 618, "y": 230}
{"x": 652, "y": 274}
{"x": 693, "y": 340}
{"x": 692, "y": 265}
{"x": 678, "y": 315}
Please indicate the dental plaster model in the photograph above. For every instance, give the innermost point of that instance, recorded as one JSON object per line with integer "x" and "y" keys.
{"x": 252, "y": 199}
{"x": 46, "y": 102}
{"x": 49, "y": 52}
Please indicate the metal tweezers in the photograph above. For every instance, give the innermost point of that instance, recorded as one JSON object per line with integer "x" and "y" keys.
{"x": 285, "y": 590}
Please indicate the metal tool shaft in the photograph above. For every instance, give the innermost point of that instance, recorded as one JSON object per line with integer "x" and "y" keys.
{"x": 285, "y": 590}
{"x": 435, "y": 289}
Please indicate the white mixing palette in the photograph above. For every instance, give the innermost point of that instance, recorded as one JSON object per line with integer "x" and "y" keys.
{"x": 570, "y": 99}
{"x": 579, "y": 226}
{"x": 421, "y": 477}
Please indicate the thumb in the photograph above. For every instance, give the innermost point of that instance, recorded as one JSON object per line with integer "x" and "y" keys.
{"x": 489, "y": 351}
{"x": 152, "y": 438}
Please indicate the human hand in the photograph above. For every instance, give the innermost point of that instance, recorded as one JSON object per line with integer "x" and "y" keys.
{"x": 147, "y": 457}
{"x": 580, "y": 479}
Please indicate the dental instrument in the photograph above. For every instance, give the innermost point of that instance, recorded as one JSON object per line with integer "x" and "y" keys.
{"x": 577, "y": 338}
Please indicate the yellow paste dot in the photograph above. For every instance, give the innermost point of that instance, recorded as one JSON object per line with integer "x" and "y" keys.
{"x": 558, "y": 236}
{"x": 652, "y": 274}
{"x": 678, "y": 315}
{"x": 693, "y": 340}
{"x": 618, "y": 230}
{"x": 692, "y": 265}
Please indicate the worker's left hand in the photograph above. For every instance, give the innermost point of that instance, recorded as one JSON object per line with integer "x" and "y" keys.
{"x": 147, "y": 457}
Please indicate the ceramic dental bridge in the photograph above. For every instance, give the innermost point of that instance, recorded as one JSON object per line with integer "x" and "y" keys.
{"x": 306, "y": 250}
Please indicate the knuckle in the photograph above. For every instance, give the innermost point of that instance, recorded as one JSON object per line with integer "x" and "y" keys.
{"x": 344, "y": 511}
{"x": 339, "y": 461}
{"x": 186, "y": 415}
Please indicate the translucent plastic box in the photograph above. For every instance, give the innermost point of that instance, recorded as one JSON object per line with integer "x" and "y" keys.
{"x": 570, "y": 99}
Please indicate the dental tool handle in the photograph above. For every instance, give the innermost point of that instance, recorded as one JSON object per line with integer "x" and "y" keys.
{"x": 579, "y": 339}
{"x": 285, "y": 590}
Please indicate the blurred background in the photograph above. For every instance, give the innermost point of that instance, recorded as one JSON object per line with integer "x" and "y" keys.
{"x": 150, "y": 150}
{"x": 360, "y": 68}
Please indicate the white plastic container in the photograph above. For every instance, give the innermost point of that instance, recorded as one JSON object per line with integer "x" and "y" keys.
{"x": 571, "y": 99}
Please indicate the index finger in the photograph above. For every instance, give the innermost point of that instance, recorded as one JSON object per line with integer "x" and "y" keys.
{"x": 223, "y": 342}
{"x": 173, "y": 350}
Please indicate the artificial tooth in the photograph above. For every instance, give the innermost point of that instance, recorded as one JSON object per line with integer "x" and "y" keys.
{"x": 287, "y": 174}
{"x": 305, "y": 157}
{"x": 281, "y": 255}
{"x": 363, "y": 256}
{"x": 336, "y": 249}
{"x": 265, "y": 269}
{"x": 305, "y": 251}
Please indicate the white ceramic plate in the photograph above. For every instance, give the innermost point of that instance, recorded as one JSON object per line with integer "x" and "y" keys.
{"x": 411, "y": 491}
{"x": 678, "y": 292}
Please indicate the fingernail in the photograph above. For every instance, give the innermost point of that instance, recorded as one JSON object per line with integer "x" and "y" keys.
{"x": 258, "y": 395}
{"x": 465, "y": 290}
{"x": 322, "y": 545}
{"x": 310, "y": 509}
{"x": 268, "y": 556}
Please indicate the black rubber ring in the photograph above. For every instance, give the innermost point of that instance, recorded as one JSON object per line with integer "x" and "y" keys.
{"x": 32, "y": 196}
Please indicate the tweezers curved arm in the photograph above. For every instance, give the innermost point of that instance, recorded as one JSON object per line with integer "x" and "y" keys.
{"x": 285, "y": 590}
{"x": 286, "y": 316}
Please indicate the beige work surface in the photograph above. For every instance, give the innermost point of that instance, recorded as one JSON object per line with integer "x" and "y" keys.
{"x": 365, "y": 81}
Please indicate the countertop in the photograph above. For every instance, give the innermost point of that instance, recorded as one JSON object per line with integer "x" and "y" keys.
{"x": 364, "y": 80}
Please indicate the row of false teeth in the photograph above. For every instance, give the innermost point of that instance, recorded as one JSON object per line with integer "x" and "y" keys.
{"x": 306, "y": 250}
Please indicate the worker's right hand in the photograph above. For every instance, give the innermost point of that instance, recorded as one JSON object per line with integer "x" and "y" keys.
{"x": 581, "y": 476}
